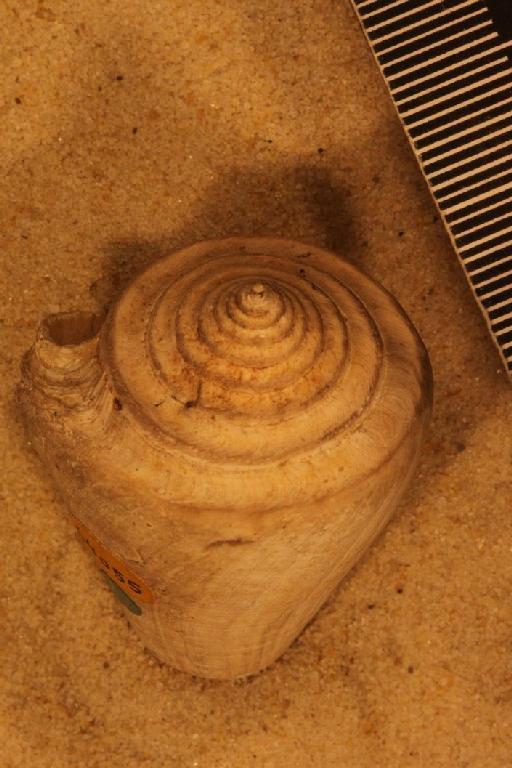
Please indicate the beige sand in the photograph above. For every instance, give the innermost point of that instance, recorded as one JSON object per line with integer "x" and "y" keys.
{"x": 129, "y": 129}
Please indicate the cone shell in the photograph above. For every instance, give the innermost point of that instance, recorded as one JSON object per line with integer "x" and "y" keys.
{"x": 249, "y": 416}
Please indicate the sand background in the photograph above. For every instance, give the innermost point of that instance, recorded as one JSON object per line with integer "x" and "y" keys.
{"x": 131, "y": 129}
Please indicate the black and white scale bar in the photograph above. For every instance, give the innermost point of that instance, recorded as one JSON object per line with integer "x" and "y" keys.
{"x": 448, "y": 66}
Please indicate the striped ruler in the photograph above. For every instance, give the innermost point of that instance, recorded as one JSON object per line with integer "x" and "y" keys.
{"x": 448, "y": 66}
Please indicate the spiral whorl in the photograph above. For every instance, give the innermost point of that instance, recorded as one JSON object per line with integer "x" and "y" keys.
{"x": 255, "y": 351}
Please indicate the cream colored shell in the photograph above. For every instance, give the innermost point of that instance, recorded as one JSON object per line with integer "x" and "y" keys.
{"x": 239, "y": 431}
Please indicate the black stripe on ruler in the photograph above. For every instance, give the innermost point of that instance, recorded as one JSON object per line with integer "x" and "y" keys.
{"x": 492, "y": 246}
{"x": 488, "y": 142}
{"x": 481, "y": 131}
{"x": 464, "y": 69}
{"x": 494, "y": 228}
{"x": 380, "y": 11}
{"x": 489, "y": 259}
{"x": 431, "y": 31}
{"x": 501, "y": 153}
{"x": 498, "y": 298}
{"x": 502, "y": 325}
{"x": 494, "y": 285}
{"x": 475, "y": 178}
{"x": 376, "y": 31}
{"x": 505, "y": 265}
{"x": 483, "y": 123}
{"x": 504, "y": 338}
{"x": 481, "y": 219}
{"x": 498, "y": 312}
{"x": 492, "y": 272}
{"x": 459, "y": 115}
{"x": 432, "y": 68}
{"x": 501, "y": 11}
{"x": 452, "y": 3}
{"x": 449, "y": 50}
{"x": 462, "y": 86}
{"x": 459, "y": 99}
{"x": 438, "y": 42}
{"x": 504, "y": 195}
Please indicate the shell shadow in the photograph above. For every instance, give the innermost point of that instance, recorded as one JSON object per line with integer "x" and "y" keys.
{"x": 304, "y": 202}
{"x": 301, "y": 203}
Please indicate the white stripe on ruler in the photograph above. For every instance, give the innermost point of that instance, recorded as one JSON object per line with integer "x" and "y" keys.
{"x": 471, "y": 159}
{"x": 481, "y": 211}
{"x": 452, "y": 52}
{"x": 451, "y": 81}
{"x": 472, "y": 200}
{"x": 466, "y": 60}
{"x": 508, "y": 316}
{"x": 429, "y": 32}
{"x": 475, "y": 144}
{"x": 460, "y": 120}
{"x": 431, "y": 4}
{"x": 456, "y": 92}
{"x": 459, "y": 105}
{"x": 480, "y": 254}
{"x": 485, "y": 239}
{"x": 491, "y": 280}
{"x": 388, "y": 7}
{"x": 468, "y": 131}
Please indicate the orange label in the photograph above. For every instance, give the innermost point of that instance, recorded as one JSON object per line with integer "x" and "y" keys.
{"x": 122, "y": 576}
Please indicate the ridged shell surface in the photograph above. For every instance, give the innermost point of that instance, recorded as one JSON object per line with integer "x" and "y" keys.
{"x": 232, "y": 440}
{"x": 255, "y": 357}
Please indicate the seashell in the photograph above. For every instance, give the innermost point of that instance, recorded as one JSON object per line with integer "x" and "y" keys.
{"x": 230, "y": 440}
